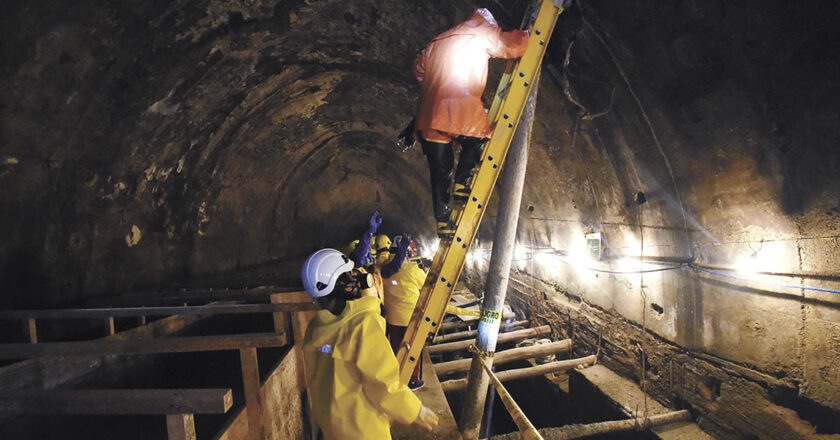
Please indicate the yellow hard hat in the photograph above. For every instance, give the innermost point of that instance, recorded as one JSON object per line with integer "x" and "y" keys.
{"x": 382, "y": 243}
{"x": 351, "y": 247}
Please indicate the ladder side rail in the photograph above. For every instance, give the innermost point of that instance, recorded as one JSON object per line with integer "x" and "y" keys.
{"x": 451, "y": 255}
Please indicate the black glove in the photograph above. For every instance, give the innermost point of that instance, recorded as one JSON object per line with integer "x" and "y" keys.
{"x": 405, "y": 140}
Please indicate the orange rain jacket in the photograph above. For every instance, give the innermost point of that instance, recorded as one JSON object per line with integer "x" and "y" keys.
{"x": 452, "y": 71}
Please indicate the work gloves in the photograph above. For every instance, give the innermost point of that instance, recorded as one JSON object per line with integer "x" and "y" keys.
{"x": 427, "y": 419}
{"x": 374, "y": 222}
{"x": 405, "y": 140}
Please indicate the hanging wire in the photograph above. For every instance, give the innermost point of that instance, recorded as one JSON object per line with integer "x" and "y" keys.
{"x": 754, "y": 280}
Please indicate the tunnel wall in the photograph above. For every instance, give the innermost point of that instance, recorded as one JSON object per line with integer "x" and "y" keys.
{"x": 671, "y": 132}
{"x": 150, "y": 142}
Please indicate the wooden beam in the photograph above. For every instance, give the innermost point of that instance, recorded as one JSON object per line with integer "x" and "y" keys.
{"x": 31, "y": 330}
{"x": 251, "y": 383}
{"x": 468, "y": 322}
{"x": 519, "y": 373}
{"x": 281, "y": 319}
{"x": 296, "y": 297}
{"x": 260, "y": 293}
{"x": 503, "y": 337}
{"x": 513, "y": 354}
{"x": 110, "y": 328}
{"x": 120, "y": 312}
{"x": 570, "y": 432}
{"x": 180, "y": 426}
{"x": 439, "y": 339}
{"x": 139, "y": 402}
{"x": 526, "y": 428}
{"x": 104, "y": 347}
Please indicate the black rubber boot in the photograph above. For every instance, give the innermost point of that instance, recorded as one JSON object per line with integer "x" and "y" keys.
{"x": 468, "y": 160}
{"x": 441, "y": 159}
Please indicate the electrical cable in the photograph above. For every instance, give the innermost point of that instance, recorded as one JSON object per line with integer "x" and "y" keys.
{"x": 695, "y": 267}
{"x": 753, "y": 280}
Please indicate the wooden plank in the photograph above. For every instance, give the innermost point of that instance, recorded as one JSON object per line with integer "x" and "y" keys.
{"x": 251, "y": 383}
{"x": 576, "y": 431}
{"x": 519, "y": 373}
{"x": 281, "y": 319}
{"x": 120, "y": 312}
{"x": 105, "y": 347}
{"x": 299, "y": 322}
{"x": 295, "y": 297}
{"x": 110, "y": 328}
{"x": 31, "y": 331}
{"x": 204, "y": 295}
{"x": 439, "y": 339}
{"x": 47, "y": 373}
{"x": 513, "y": 354}
{"x": 180, "y": 426}
{"x": 433, "y": 398}
{"x": 503, "y": 337}
{"x": 112, "y": 401}
{"x": 283, "y": 407}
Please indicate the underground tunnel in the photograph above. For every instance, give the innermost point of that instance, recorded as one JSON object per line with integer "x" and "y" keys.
{"x": 167, "y": 166}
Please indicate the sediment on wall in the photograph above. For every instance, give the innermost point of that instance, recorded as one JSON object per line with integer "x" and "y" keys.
{"x": 728, "y": 400}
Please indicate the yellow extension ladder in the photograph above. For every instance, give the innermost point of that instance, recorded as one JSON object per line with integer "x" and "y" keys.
{"x": 511, "y": 96}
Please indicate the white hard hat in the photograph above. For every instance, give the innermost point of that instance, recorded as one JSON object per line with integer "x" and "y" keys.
{"x": 322, "y": 269}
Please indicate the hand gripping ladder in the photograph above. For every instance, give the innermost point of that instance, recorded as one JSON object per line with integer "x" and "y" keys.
{"x": 511, "y": 96}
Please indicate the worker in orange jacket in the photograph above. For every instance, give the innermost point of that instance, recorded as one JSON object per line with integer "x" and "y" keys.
{"x": 452, "y": 71}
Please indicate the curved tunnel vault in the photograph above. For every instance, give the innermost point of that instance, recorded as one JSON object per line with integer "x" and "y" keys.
{"x": 144, "y": 143}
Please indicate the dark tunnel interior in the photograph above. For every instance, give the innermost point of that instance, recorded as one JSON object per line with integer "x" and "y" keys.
{"x": 694, "y": 144}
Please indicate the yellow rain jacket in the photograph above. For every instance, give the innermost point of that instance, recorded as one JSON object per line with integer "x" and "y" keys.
{"x": 401, "y": 293}
{"x": 452, "y": 71}
{"x": 353, "y": 376}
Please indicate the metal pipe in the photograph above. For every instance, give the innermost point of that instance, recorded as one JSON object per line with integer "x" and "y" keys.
{"x": 498, "y": 273}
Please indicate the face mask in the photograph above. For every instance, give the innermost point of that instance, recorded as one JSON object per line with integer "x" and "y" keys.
{"x": 351, "y": 283}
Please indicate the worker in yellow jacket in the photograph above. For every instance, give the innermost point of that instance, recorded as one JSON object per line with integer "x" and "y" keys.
{"x": 402, "y": 290}
{"x": 351, "y": 373}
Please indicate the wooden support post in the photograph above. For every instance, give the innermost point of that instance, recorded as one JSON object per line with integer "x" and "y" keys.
{"x": 281, "y": 319}
{"x": 299, "y": 322}
{"x": 31, "y": 330}
{"x": 513, "y": 354}
{"x": 251, "y": 381}
{"x": 180, "y": 426}
{"x": 503, "y": 337}
{"x": 519, "y": 373}
{"x": 110, "y": 329}
{"x": 439, "y": 339}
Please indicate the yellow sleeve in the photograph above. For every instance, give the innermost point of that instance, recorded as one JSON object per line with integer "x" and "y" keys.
{"x": 380, "y": 374}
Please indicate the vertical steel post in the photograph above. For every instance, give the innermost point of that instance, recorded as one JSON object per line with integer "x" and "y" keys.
{"x": 498, "y": 273}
